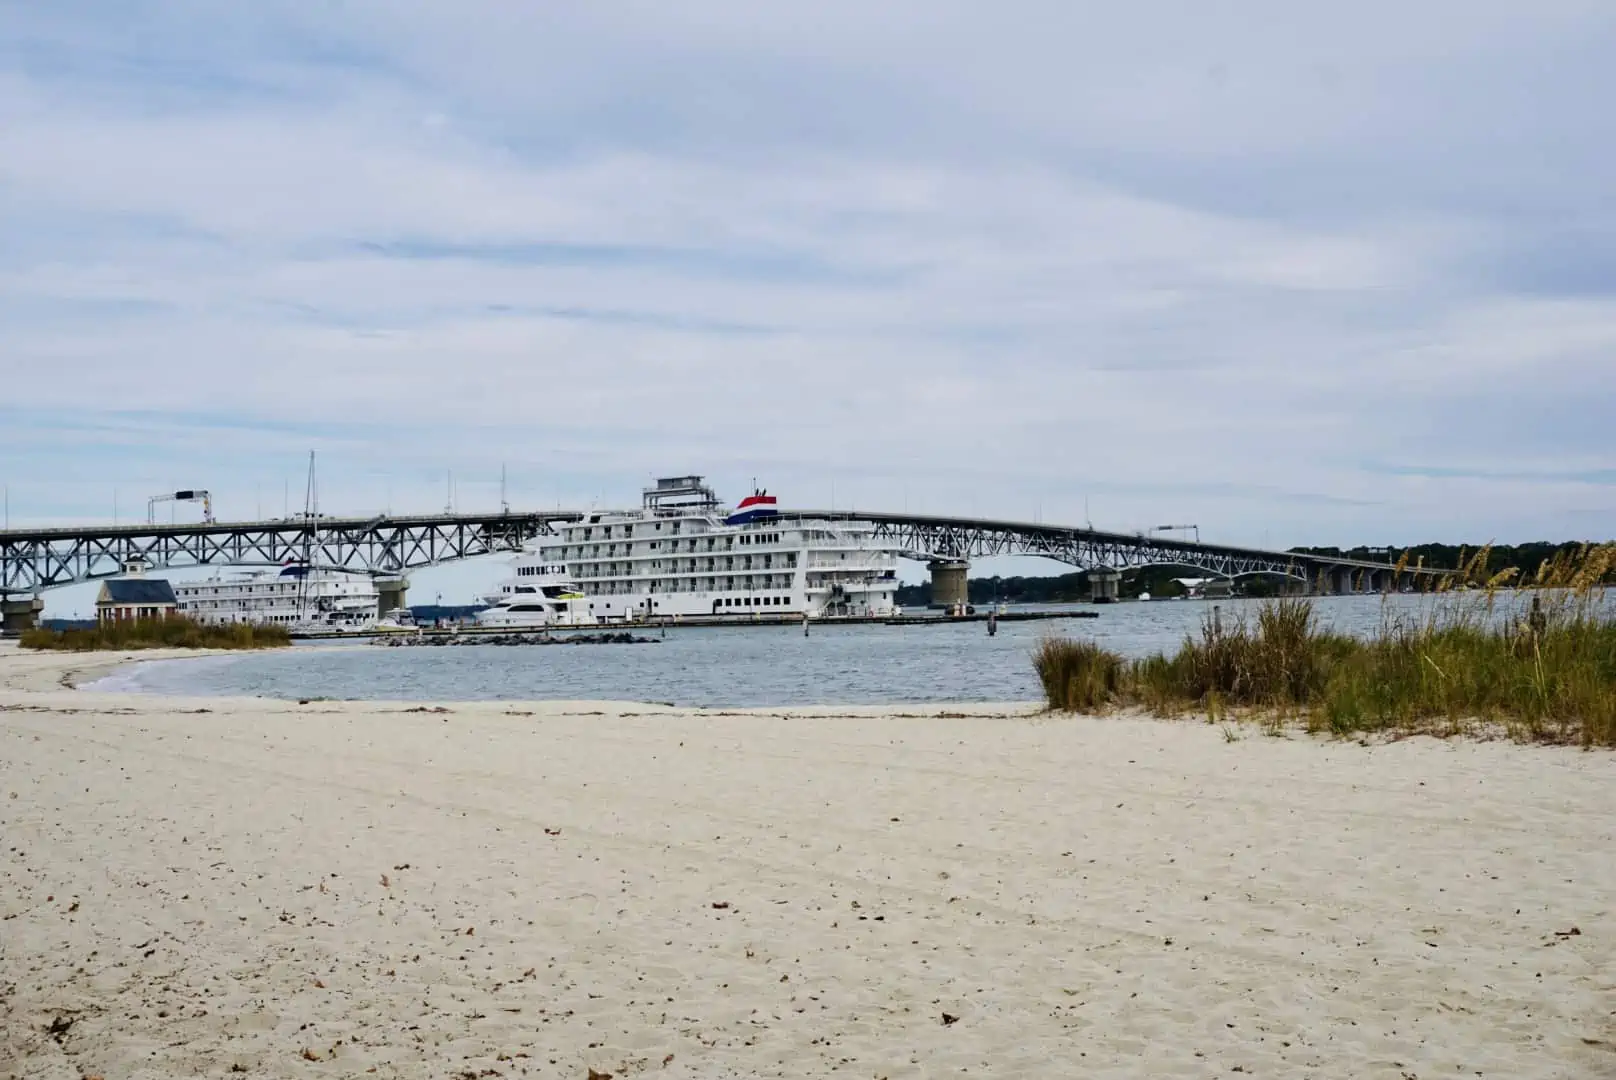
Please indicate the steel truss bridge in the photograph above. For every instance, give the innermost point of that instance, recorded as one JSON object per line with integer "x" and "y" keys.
{"x": 32, "y": 560}
{"x": 950, "y": 539}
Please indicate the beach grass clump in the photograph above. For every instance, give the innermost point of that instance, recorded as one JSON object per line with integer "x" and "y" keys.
{"x": 1537, "y": 660}
{"x": 1275, "y": 660}
{"x": 1077, "y": 676}
{"x": 1546, "y": 677}
{"x": 163, "y": 633}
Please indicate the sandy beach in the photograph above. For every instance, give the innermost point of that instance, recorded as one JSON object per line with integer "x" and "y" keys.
{"x": 215, "y": 886}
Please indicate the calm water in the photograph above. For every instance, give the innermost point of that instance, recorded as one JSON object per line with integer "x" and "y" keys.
{"x": 712, "y": 666}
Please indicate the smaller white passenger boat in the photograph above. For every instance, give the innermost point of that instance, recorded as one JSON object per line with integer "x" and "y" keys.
{"x": 540, "y": 595}
{"x": 399, "y": 620}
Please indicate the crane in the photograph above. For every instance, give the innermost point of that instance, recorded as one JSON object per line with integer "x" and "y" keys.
{"x": 187, "y": 495}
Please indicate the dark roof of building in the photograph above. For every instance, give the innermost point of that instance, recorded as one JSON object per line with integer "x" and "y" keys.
{"x": 139, "y": 591}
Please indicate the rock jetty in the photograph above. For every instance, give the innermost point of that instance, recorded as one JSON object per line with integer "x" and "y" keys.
{"x": 540, "y": 638}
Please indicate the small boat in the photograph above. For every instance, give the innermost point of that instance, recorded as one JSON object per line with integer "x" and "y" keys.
{"x": 539, "y": 596}
{"x": 399, "y": 620}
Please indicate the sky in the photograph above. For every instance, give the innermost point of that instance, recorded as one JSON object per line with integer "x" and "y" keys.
{"x": 1296, "y": 273}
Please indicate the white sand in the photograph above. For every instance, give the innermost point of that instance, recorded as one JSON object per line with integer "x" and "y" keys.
{"x": 536, "y": 890}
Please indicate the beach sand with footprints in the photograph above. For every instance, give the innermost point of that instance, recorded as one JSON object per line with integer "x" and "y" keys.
{"x": 208, "y": 886}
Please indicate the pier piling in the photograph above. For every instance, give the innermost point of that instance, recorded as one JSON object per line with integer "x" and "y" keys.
{"x": 948, "y": 584}
{"x": 19, "y": 613}
{"x": 390, "y": 594}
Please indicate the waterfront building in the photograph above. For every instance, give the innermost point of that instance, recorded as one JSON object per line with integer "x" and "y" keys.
{"x": 126, "y": 599}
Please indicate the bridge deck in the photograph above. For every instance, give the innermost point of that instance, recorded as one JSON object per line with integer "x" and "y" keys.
{"x": 1100, "y": 537}
{"x": 42, "y": 558}
{"x": 296, "y": 522}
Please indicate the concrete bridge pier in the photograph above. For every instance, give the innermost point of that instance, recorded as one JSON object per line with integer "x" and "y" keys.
{"x": 20, "y": 613}
{"x": 390, "y": 593}
{"x": 1103, "y": 582}
{"x": 1333, "y": 581}
{"x": 948, "y": 588}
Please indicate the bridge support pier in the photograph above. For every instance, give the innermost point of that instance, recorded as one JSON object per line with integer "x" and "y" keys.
{"x": 948, "y": 587}
{"x": 390, "y": 594}
{"x": 17, "y": 615}
{"x": 1103, "y": 582}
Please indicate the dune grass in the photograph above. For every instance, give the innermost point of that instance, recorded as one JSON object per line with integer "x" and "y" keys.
{"x": 1538, "y": 661}
{"x": 174, "y": 633}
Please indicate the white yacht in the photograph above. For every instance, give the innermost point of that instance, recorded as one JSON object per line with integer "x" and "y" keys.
{"x": 399, "y": 620}
{"x": 684, "y": 555}
{"x": 539, "y": 595}
{"x": 295, "y": 596}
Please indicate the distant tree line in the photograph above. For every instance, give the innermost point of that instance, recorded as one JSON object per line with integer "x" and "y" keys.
{"x": 1524, "y": 557}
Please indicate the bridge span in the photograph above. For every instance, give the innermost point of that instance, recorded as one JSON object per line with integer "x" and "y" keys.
{"x": 34, "y": 560}
{"x": 947, "y": 544}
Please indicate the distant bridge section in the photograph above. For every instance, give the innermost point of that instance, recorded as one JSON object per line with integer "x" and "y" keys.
{"x": 32, "y": 560}
{"x": 949, "y": 543}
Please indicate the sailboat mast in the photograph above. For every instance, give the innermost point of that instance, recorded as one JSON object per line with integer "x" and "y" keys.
{"x": 311, "y": 508}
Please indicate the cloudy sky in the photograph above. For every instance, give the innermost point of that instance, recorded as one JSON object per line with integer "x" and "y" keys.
{"x": 1298, "y": 273}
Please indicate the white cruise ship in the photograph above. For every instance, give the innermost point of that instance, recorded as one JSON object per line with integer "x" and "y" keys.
{"x": 294, "y": 596}
{"x": 683, "y": 555}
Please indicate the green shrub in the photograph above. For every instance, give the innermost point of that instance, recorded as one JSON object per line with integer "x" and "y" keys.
{"x": 1077, "y": 675}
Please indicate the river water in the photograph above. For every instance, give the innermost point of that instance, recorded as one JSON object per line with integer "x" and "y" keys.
{"x": 723, "y": 666}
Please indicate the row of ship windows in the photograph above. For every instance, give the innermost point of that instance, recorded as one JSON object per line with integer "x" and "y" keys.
{"x": 201, "y": 590}
{"x": 628, "y": 551}
{"x": 725, "y": 583}
{"x": 819, "y": 537}
{"x": 743, "y": 601}
{"x": 590, "y": 568}
{"x": 627, "y": 531}
{"x": 761, "y": 581}
{"x": 263, "y": 590}
{"x": 256, "y": 619}
{"x": 214, "y": 605}
{"x": 732, "y": 601}
{"x": 691, "y": 546}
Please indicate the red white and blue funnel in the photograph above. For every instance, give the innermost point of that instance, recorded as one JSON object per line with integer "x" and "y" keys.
{"x": 756, "y": 506}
